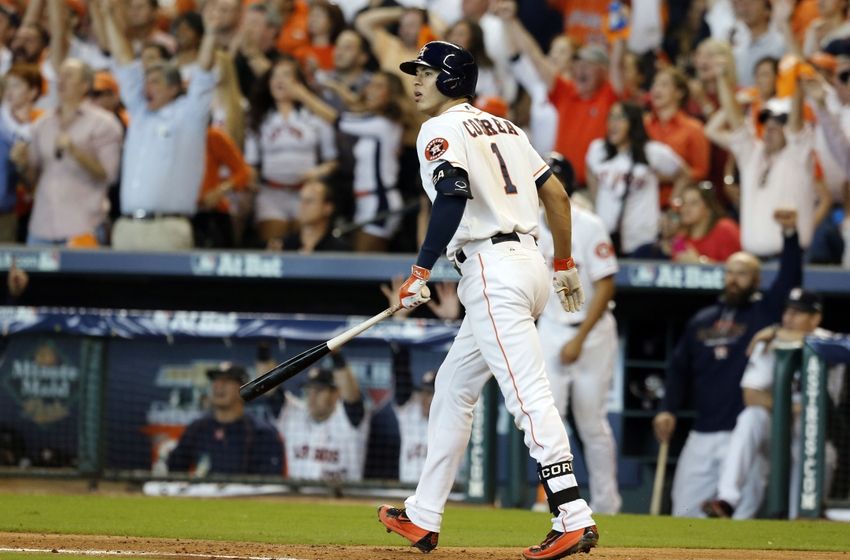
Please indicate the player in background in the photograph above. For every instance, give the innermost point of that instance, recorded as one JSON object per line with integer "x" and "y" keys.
{"x": 580, "y": 349}
{"x": 412, "y": 405}
{"x": 486, "y": 182}
{"x": 325, "y": 432}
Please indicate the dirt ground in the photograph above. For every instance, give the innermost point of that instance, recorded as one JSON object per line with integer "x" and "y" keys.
{"x": 181, "y": 548}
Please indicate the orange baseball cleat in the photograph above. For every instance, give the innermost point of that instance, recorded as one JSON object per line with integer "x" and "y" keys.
{"x": 396, "y": 521}
{"x": 558, "y": 544}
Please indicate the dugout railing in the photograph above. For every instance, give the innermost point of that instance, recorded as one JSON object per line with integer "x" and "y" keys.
{"x": 105, "y": 394}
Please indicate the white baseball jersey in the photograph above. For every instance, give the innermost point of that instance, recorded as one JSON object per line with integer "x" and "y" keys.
{"x": 287, "y": 147}
{"x": 471, "y": 139}
{"x": 329, "y": 450}
{"x": 641, "y": 214}
{"x": 413, "y": 429}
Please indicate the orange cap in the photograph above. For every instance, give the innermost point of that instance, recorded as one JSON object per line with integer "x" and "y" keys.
{"x": 104, "y": 81}
{"x": 77, "y": 7}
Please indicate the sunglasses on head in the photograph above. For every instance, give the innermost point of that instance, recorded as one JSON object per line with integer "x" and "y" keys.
{"x": 766, "y": 114}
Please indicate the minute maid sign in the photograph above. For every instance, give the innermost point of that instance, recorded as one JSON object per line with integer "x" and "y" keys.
{"x": 42, "y": 379}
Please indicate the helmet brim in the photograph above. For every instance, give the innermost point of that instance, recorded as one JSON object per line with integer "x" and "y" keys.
{"x": 410, "y": 66}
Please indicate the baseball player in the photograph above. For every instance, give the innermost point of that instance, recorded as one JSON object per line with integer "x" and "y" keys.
{"x": 411, "y": 406}
{"x": 750, "y": 439}
{"x": 485, "y": 182}
{"x": 325, "y": 434}
{"x": 580, "y": 349}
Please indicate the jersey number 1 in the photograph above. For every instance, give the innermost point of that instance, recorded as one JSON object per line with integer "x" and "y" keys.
{"x": 510, "y": 188}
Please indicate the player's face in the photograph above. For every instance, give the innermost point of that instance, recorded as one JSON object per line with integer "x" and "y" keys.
{"x": 225, "y": 392}
{"x": 740, "y": 278}
{"x": 798, "y": 320}
{"x": 425, "y": 94}
{"x": 321, "y": 401}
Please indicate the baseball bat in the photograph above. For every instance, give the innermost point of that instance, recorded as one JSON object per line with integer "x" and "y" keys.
{"x": 293, "y": 366}
{"x": 660, "y": 473}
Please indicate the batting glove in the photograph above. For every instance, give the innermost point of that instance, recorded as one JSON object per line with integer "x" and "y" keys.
{"x": 567, "y": 285}
{"x": 414, "y": 292}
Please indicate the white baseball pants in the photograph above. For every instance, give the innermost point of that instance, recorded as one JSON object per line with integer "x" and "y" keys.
{"x": 584, "y": 386}
{"x": 504, "y": 288}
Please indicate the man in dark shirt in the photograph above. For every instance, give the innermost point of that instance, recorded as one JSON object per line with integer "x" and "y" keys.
{"x": 315, "y": 215}
{"x": 709, "y": 361}
{"x": 226, "y": 440}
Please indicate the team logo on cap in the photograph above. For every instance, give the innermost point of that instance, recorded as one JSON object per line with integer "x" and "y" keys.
{"x": 436, "y": 148}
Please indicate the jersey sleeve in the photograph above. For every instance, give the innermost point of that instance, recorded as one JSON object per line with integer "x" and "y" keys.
{"x": 600, "y": 258}
{"x": 439, "y": 142}
{"x": 759, "y": 372}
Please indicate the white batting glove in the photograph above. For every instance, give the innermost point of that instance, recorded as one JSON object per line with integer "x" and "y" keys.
{"x": 567, "y": 285}
{"x": 414, "y": 292}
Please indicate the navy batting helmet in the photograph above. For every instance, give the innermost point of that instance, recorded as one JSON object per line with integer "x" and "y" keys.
{"x": 458, "y": 71}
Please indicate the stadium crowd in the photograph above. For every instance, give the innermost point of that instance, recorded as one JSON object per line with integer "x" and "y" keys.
{"x": 287, "y": 124}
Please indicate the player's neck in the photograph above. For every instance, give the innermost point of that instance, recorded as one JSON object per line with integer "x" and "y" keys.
{"x": 443, "y": 107}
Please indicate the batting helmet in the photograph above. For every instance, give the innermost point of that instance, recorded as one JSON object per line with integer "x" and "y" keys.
{"x": 458, "y": 70}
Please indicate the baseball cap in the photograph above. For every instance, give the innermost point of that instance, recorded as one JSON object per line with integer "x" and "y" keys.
{"x": 593, "y": 53}
{"x": 805, "y": 301}
{"x": 427, "y": 383}
{"x": 320, "y": 377}
{"x": 838, "y": 47}
{"x": 777, "y": 108}
{"x": 229, "y": 370}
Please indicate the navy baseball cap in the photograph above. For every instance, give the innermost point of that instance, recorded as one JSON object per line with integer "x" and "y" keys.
{"x": 805, "y": 301}
{"x": 228, "y": 370}
{"x": 320, "y": 377}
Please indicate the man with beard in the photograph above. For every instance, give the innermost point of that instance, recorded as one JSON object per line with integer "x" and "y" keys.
{"x": 709, "y": 361}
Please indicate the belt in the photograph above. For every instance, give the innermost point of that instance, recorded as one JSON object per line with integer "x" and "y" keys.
{"x": 460, "y": 256}
{"x": 149, "y": 216}
{"x": 284, "y": 186}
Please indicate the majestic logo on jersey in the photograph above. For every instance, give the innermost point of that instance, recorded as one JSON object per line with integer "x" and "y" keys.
{"x": 436, "y": 148}
{"x": 604, "y": 250}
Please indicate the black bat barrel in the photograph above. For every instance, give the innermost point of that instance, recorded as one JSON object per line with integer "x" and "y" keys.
{"x": 283, "y": 371}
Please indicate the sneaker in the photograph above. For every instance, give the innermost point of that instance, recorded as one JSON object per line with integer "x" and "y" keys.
{"x": 558, "y": 544}
{"x": 718, "y": 508}
{"x": 397, "y": 521}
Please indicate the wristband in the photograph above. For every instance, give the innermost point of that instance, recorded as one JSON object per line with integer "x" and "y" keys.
{"x": 564, "y": 264}
{"x": 338, "y": 361}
